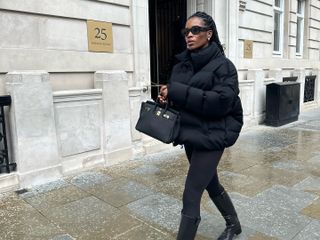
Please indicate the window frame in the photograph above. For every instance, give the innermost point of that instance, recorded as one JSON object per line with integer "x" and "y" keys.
{"x": 301, "y": 16}
{"x": 279, "y": 10}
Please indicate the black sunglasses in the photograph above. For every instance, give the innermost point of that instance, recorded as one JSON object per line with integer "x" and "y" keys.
{"x": 195, "y": 30}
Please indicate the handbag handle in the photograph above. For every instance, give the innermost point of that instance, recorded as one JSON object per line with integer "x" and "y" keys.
{"x": 161, "y": 106}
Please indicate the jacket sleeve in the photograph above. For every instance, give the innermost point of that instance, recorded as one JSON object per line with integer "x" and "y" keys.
{"x": 215, "y": 103}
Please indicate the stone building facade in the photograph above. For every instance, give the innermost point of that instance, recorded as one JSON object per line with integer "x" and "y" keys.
{"x": 73, "y": 109}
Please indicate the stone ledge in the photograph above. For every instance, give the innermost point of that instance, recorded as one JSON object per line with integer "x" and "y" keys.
{"x": 9, "y": 182}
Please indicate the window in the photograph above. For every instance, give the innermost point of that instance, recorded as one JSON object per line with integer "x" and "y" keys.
{"x": 278, "y": 26}
{"x": 300, "y": 28}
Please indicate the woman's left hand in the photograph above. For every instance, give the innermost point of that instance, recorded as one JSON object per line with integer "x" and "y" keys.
{"x": 163, "y": 94}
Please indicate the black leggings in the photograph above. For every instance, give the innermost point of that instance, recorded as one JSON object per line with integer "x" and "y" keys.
{"x": 202, "y": 175}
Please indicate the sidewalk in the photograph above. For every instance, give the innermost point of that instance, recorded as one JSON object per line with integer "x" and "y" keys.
{"x": 272, "y": 175}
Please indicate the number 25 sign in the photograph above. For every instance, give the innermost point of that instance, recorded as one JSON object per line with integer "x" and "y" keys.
{"x": 99, "y": 36}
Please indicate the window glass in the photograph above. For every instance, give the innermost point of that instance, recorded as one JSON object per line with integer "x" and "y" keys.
{"x": 299, "y": 35}
{"x": 277, "y": 3}
{"x": 299, "y": 7}
{"x": 276, "y": 46}
{"x": 300, "y": 27}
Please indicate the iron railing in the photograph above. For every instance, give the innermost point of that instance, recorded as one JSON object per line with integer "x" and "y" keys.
{"x": 309, "y": 88}
{"x": 5, "y": 164}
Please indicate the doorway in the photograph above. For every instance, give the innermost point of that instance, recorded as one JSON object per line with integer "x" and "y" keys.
{"x": 166, "y": 19}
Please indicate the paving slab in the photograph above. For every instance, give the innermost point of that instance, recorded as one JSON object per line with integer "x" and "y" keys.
{"x": 261, "y": 236}
{"x": 149, "y": 172}
{"x": 144, "y": 232}
{"x": 268, "y": 139}
{"x": 311, "y": 125}
{"x": 271, "y": 173}
{"x": 160, "y": 210}
{"x": 288, "y": 199}
{"x": 244, "y": 184}
{"x": 43, "y": 188}
{"x": 91, "y": 218}
{"x": 120, "y": 192}
{"x": 18, "y": 220}
{"x": 264, "y": 216}
{"x": 63, "y": 237}
{"x": 86, "y": 180}
{"x": 274, "y": 176}
{"x": 234, "y": 160}
{"x": 55, "y": 198}
{"x": 313, "y": 210}
{"x": 172, "y": 187}
{"x": 310, "y": 232}
{"x": 315, "y": 160}
{"x": 311, "y": 184}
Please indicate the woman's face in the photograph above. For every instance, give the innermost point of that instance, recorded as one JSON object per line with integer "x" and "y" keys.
{"x": 199, "y": 38}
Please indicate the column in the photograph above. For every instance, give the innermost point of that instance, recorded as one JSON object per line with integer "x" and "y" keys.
{"x": 33, "y": 128}
{"x": 140, "y": 25}
{"x": 137, "y": 137}
{"x": 259, "y": 92}
{"x": 191, "y": 7}
{"x": 232, "y": 20}
{"x": 116, "y": 115}
{"x": 301, "y": 74}
{"x": 219, "y": 13}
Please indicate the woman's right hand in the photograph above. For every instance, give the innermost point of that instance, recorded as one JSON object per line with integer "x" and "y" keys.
{"x": 163, "y": 94}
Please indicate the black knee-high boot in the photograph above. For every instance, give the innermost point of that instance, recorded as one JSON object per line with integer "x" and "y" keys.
{"x": 188, "y": 227}
{"x": 226, "y": 208}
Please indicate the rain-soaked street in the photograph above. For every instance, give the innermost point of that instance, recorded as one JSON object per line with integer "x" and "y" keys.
{"x": 272, "y": 175}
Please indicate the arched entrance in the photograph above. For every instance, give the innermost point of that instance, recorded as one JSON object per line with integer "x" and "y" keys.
{"x": 166, "y": 19}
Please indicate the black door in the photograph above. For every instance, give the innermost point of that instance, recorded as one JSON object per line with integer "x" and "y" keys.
{"x": 167, "y": 18}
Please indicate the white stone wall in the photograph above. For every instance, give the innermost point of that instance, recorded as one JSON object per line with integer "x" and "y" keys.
{"x": 33, "y": 129}
{"x": 258, "y": 30}
{"x": 140, "y": 25}
{"x": 116, "y": 115}
{"x": 57, "y": 133}
{"x": 93, "y": 112}
{"x": 78, "y": 119}
{"x": 256, "y": 24}
{"x": 313, "y": 31}
{"x": 51, "y": 35}
{"x": 89, "y": 107}
{"x": 253, "y": 91}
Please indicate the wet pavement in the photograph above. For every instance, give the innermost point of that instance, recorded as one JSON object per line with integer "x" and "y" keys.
{"x": 272, "y": 175}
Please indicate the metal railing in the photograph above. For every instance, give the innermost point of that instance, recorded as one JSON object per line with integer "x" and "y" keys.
{"x": 309, "y": 88}
{"x": 5, "y": 164}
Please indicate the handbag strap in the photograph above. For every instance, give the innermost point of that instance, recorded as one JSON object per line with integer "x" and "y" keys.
{"x": 158, "y": 104}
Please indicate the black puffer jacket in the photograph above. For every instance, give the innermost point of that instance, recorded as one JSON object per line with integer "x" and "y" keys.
{"x": 204, "y": 88}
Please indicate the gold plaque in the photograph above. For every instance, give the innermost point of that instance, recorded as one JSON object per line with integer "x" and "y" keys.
{"x": 248, "y": 48}
{"x": 99, "y": 36}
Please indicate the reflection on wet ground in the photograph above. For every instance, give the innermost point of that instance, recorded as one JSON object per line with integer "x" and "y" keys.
{"x": 272, "y": 174}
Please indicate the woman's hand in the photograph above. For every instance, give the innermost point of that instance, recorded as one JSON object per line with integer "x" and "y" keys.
{"x": 163, "y": 94}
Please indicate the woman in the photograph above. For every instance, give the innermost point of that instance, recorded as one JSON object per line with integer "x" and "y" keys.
{"x": 204, "y": 88}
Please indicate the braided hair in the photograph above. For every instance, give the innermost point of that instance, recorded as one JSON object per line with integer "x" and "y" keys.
{"x": 207, "y": 19}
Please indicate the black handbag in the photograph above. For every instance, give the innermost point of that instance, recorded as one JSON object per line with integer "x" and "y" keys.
{"x": 159, "y": 122}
